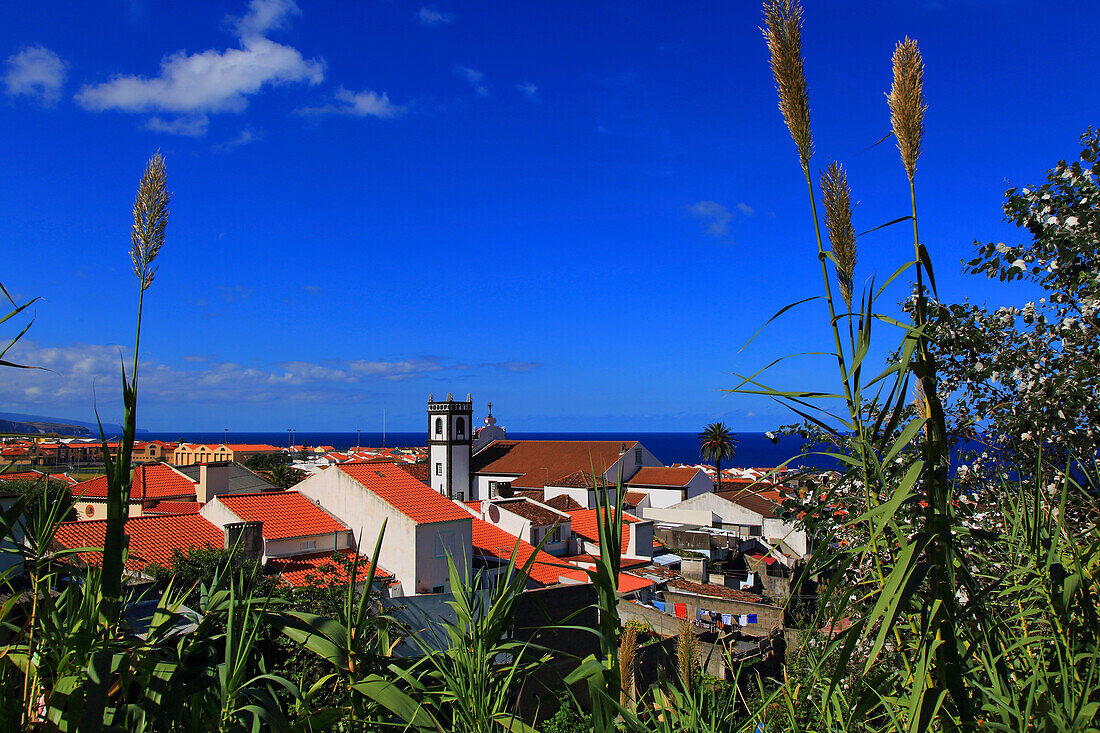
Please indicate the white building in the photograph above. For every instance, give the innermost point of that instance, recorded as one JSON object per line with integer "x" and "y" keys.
{"x": 292, "y": 523}
{"x": 530, "y": 521}
{"x": 422, "y": 527}
{"x": 667, "y": 486}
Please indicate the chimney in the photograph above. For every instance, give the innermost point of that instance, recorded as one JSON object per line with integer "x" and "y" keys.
{"x": 213, "y": 480}
{"x": 694, "y": 570}
{"x": 248, "y": 536}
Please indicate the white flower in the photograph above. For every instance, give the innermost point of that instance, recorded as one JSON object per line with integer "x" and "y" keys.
{"x": 1026, "y": 436}
{"x": 1071, "y": 221}
{"x": 1020, "y": 265}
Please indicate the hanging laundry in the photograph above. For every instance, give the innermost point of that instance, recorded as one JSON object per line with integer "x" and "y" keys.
{"x": 681, "y": 610}
{"x": 659, "y": 605}
{"x": 752, "y": 618}
{"x": 727, "y": 619}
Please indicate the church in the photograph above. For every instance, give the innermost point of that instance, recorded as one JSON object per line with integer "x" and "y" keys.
{"x": 468, "y": 464}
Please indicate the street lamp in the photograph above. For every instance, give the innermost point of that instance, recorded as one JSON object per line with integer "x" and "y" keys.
{"x": 289, "y": 438}
{"x": 357, "y": 431}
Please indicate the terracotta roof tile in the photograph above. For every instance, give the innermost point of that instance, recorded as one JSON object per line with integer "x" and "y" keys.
{"x": 563, "y": 502}
{"x": 322, "y": 569}
{"x": 585, "y": 525}
{"x": 149, "y": 481}
{"x": 713, "y": 591}
{"x": 397, "y": 488}
{"x": 751, "y": 501}
{"x": 285, "y": 514}
{"x": 661, "y": 476}
{"x": 174, "y": 507}
{"x": 629, "y": 583}
{"x": 490, "y": 541}
{"x": 538, "y": 515}
{"x": 418, "y": 471}
{"x": 535, "y": 462}
{"x": 152, "y": 539}
{"x": 581, "y": 480}
{"x": 634, "y": 498}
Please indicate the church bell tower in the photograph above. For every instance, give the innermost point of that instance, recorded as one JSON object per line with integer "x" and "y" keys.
{"x": 450, "y": 429}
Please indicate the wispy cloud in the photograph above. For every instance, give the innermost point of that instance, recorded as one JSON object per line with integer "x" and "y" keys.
{"x": 245, "y": 137}
{"x": 717, "y": 216}
{"x": 235, "y": 292}
{"x": 475, "y": 79}
{"x": 529, "y": 90}
{"x": 312, "y": 289}
{"x": 357, "y": 104}
{"x": 187, "y": 125}
{"x": 516, "y": 367}
{"x": 35, "y": 72}
{"x": 76, "y": 368}
{"x": 212, "y": 81}
{"x": 431, "y": 15}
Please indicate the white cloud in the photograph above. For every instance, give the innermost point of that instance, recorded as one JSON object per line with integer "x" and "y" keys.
{"x": 431, "y": 15}
{"x": 357, "y": 104}
{"x": 474, "y": 78}
{"x": 245, "y": 137}
{"x": 745, "y": 209}
{"x": 529, "y": 90}
{"x": 212, "y": 81}
{"x": 714, "y": 214}
{"x": 77, "y": 368}
{"x": 35, "y": 72}
{"x": 191, "y": 126}
{"x": 264, "y": 16}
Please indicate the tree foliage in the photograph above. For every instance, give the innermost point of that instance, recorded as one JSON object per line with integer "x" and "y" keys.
{"x": 1026, "y": 378}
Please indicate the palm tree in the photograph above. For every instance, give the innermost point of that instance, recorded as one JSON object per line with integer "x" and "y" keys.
{"x": 716, "y": 443}
{"x": 284, "y": 476}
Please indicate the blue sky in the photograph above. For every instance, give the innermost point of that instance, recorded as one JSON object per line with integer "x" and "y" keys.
{"x": 578, "y": 210}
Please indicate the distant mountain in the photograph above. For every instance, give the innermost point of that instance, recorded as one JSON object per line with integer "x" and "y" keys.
{"x": 15, "y": 422}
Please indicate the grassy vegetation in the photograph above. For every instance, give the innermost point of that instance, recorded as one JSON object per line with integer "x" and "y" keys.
{"x": 954, "y": 619}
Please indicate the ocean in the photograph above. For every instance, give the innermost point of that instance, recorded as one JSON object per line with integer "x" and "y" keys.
{"x": 753, "y": 449}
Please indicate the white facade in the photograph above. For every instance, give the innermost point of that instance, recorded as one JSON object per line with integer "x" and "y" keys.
{"x": 450, "y": 431}
{"x": 558, "y": 536}
{"x": 220, "y": 515}
{"x": 661, "y": 497}
{"x": 410, "y": 551}
{"x": 712, "y": 510}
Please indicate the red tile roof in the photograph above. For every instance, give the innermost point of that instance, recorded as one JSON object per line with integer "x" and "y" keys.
{"x": 538, "y": 515}
{"x": 634, "y": 498}
{"x": 285, "y": 514}
{"x": 418, "y": 471}
{"x": 629, "y": 583}
{"x": 750, "y": 500}
{"x": 394, "y": 486}
{"x": 660, "y": 476}
{"x": 563, "y": 502}
{"x": 37, "y": 476}
{"x": 679, "y": 584}
{"x": 580, "y": 480}
{"x": 322, "y": 569}
{"x": 585, "y": 525}
{"x": 150, "y": 481}
{"x": 490, "y": 541}
{"x": 152, "y": 539}
{"x": 536, "y": 462}
{"x": 174, "y": 507}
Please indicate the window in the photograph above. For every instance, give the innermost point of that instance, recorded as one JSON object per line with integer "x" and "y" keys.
{"x": 439, "y": 426}
{"x": 439, "y": 469}
{"x": 308, "y": 545}
{"x": 437, "y": 589}
{"x": 555, "y": 536}
{"x": 637, "y": 455}
{"x": 460, "y": 428}
{"x": 459, "y": 496}
{"x": 445, "y": 544}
